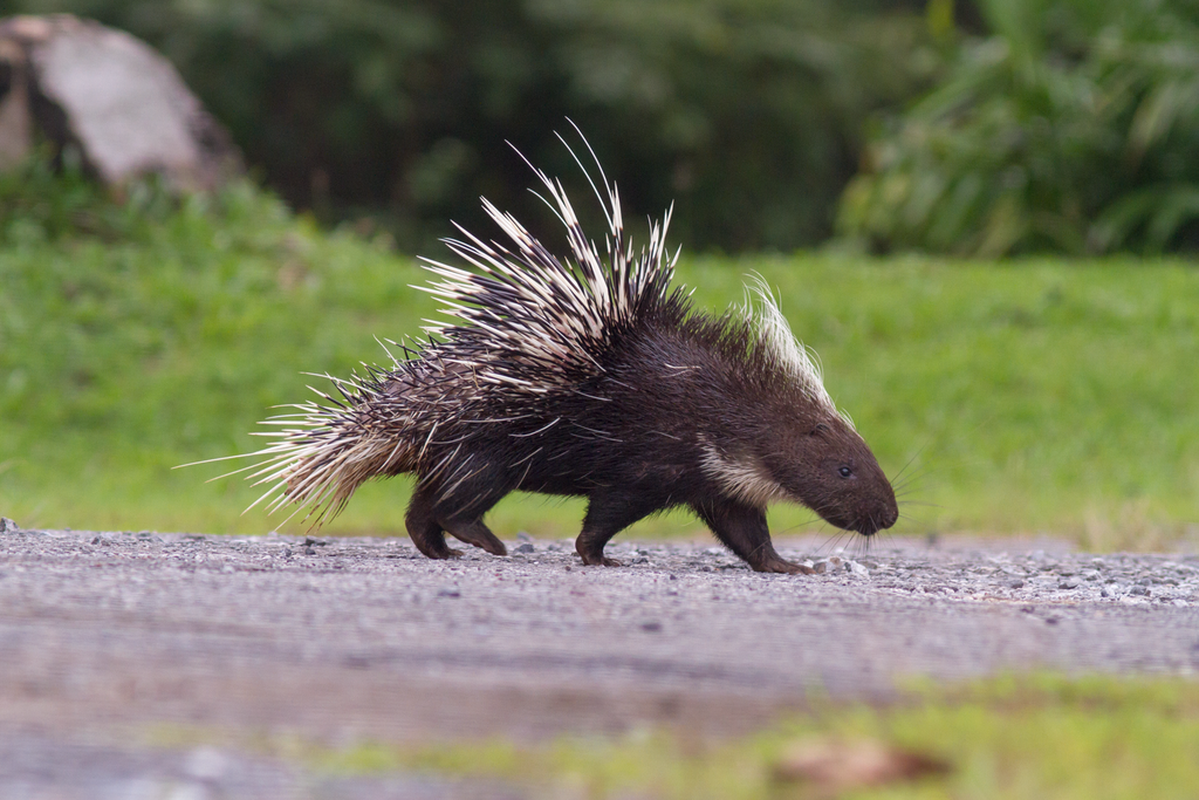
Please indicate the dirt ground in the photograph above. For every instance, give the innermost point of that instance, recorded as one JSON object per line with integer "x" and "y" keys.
{"x": 108, "y": 639}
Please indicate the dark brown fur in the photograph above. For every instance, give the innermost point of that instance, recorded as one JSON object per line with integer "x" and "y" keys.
{"x": 678, "y": 395}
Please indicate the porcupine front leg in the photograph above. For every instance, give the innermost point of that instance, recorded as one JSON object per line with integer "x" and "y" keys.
{"x": 608, "y": 513}
{"x": 743, "y": 530}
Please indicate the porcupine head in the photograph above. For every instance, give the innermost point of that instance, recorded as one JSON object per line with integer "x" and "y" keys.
{"x": 585, "y": 374}
{"x": 803, "y": 449}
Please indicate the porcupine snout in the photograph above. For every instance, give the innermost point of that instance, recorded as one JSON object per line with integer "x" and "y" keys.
{"x": 863, "y": 500}
{"x": 879, "y": 510}
{"x": 827, "y": 466}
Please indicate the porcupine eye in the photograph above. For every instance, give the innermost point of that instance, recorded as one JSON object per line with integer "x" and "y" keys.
{"x": 845, "y": 472}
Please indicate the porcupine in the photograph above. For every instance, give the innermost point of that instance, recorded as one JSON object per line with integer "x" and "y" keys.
{"x": 569, "y": 376}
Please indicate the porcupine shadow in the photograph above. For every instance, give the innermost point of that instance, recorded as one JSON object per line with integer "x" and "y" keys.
{"x": 576, "y": 377}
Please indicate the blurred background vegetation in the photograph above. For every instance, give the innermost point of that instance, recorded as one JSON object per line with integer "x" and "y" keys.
{"x": 972, "y": 126}
{"x": 748, "y": 114}
{"x": 1069, "y": 127}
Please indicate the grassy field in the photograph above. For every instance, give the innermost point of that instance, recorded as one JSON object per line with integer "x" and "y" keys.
{"x": 1044, "y": 737}
{"x": 1006, "y": 738}
{"x": 1039, "y": 395}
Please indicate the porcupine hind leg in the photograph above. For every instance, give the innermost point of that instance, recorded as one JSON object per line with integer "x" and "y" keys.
{"x": 743, "y": 530}
{"x": 474, "y": 531}
{"x": 424, "y": 529}
{"x": 608, "y": 513}
{"x": 428, "y": 525}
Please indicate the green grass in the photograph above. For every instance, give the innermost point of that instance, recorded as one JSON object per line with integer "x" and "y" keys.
{"x": 1012, "y": 396}
{"x": 1021, "y": 738}
{"x": 1041, "y": 736}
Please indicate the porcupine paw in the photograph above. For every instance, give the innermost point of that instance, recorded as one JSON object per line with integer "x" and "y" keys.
{"x": 477, "y": 534}
{"x": 436, "y": 548}
{"x": 489, "y": 544}
{"x": 777, "y": 564}
{"x": 602, "y": 561}
{"x": 493, "y": 548}
{"x": 444, "y": 553}
{"x": 590, "y": 548}
{"x": 594, "y": 556}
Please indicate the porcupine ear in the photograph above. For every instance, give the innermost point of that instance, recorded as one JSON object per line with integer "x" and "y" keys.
{"x": 538, "y": 322}
{"x": 782, "y": 348}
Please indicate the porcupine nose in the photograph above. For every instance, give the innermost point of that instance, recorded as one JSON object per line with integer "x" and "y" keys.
{"x": 883, "y": 518}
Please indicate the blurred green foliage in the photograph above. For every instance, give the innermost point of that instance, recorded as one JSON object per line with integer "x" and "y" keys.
{"x": 1044, "y": 736}
{"x": 1072, "y": 126}
{"x": 1041, "y": 125}
{"x": 44, "y": 203}
{"x": 747, "y": 113}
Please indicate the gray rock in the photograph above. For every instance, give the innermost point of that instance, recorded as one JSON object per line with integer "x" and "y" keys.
{"x": 856, "y": 569}
{"x": 120, "y": 102}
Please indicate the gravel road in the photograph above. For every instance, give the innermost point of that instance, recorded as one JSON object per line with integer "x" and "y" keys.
{"x": 106, "y": 638}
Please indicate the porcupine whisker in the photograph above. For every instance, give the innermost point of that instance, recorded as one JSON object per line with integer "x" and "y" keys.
{"x": 833, "y": 541}
{"x": 909, "y": 463}
{"x": 923, "y": 504}
{"x": 905, "y": 482}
